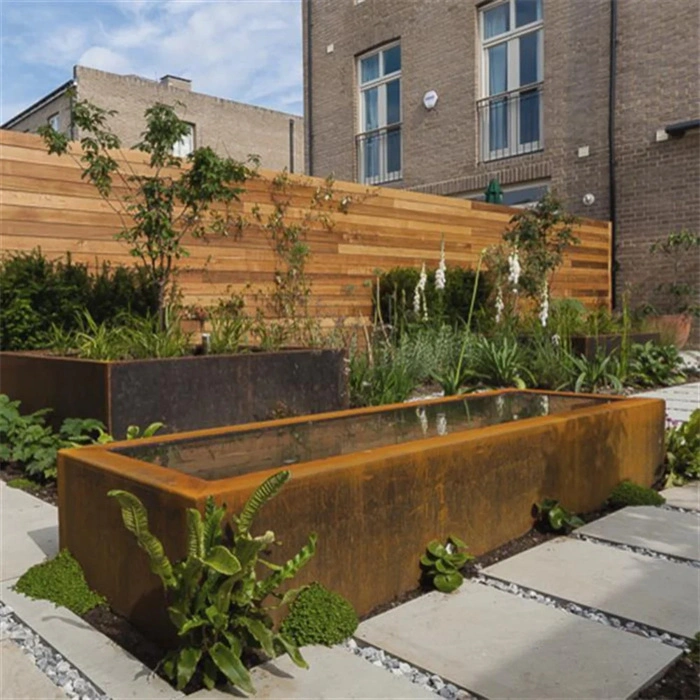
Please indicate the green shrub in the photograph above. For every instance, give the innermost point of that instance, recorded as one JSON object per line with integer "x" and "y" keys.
{"x": 61, "y": 581}
{"x": 627, "y": 493}
{"x": 38, "y": 294}
{"x": 683, "y": 451}
{"x": 441, "y": 564}
{"x": 552, "y": 516}
{"x": 397, "y": 286}
{"x": 23, "y": 484}
{"x": 215, "y": 596}
{"x": 653, "y": 364}
{"x": 319, "y": 616}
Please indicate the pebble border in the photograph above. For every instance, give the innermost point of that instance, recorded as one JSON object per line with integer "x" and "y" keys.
{"x": 421, "y": 677}
{"x": 652, "y": 553}
{"x": 50, "y": 662}
{"x": 589, "y": 613}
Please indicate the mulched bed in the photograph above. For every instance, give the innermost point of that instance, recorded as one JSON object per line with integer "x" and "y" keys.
{"x": 46, "y": 492}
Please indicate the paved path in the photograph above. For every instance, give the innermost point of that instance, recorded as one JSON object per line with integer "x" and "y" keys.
{"x": 680, "y": 400}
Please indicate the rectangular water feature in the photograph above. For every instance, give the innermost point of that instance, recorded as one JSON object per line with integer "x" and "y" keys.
{"x": 375, "y": 484}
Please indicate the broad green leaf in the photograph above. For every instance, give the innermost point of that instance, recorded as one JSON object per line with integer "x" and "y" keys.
{"x": 187, "y": 662}
{"x": 222, "y": 597}
{"x": 436, "y": 549}
{"x": 191, "y": 624}
{"x": 461, "y": 544}
{"x": 222, "y": 560}
{"x": 446, "y": 583}
{"x": 259, "y": 631}
{"x": 231, "y": 666}
{"x": 288, "y": 570}
{"x": 291, "y": 649}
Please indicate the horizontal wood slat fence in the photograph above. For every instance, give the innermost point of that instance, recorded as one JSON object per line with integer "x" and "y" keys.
{"x": 354, "y": 231}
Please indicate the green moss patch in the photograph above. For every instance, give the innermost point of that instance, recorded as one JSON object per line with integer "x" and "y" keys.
{"x": 24, "y": 484}
{"x": 319, "y": 616}
{"x": 627, "y": 493}
{"x": 60, "y": 580}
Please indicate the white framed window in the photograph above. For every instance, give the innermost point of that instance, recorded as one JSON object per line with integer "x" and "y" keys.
{"x": 185, "y": 145}
{"x": 55, "y": 121}
{"x": 378, "y": 140}
{"x": 512, "y": 72}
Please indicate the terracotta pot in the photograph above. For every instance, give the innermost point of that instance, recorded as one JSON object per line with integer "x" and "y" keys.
{"x": 674, "y": 328}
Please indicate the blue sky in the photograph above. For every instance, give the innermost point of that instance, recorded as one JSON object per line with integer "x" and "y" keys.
{"x": 244, "y": 50}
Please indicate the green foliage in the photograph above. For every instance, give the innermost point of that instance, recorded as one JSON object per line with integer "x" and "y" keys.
{"x": 551, "y": 515}
{"x": 627, "y": 493}
{"x": 683, "y": 451}
{"x": 39, "y": 295}
{"x": 541, "y": 235}
{"x": 159, "y": 208}
{"x": 441, "y": 564}
{"x": 229, "y": 326}
{"x": 128, "y": 337}
{"x": 61, "y": 581}
{"x": 26, "y": 440}
{"x": 681, "y": 293}
{"x": 23, "y": 484}
{"x": 500, "y": 363}
{"x": 215, "y": 595}
{"x": 599, "y": 374}
{"x": 319, "y": 616}
{"x": 694, "y": 649}
{"x": 450, "y": 306}
{"x": 653, "y": 364}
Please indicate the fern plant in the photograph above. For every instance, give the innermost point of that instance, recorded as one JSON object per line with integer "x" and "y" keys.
{"x": 215, "y": 598}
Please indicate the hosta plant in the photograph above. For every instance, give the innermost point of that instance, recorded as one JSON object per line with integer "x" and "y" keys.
{"x": 441, "y": 564}
{"x": 215, "y": 598}
{"x": 551, "y": 515}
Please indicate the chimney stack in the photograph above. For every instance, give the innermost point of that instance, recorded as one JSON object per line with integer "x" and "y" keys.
{"x": 174, "y": 81}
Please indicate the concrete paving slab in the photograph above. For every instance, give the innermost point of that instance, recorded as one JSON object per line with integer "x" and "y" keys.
{"x": 108, "y": 666}
{"x": 332, "y": 673}
{"x": 686, "y": 496}
{"x": 501, "y": 646}
{"x": 28, "y": 531}
{"x": 20, "y": 679}
{"x": 658, "y": 529}
{"x": 652, "y": 591}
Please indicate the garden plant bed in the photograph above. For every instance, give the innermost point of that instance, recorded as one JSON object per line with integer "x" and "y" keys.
{"x": 591, "y": 345}
{"x": 383, "y": 466}
{"x": 184, "y": 393}
{"x": 682, "y": 680}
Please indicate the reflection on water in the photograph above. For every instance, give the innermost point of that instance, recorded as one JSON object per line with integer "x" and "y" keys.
{"x": 248, "y": 451}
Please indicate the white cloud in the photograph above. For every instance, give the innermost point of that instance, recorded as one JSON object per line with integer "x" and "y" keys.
{"x": 105, "y": 59}
{"x": 243, "y": 50}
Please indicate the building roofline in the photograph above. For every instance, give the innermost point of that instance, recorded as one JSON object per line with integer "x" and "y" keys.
{"x": 38, "y": 104}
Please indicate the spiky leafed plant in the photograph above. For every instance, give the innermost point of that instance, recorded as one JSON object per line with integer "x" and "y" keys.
{"x": 215, "y": 598}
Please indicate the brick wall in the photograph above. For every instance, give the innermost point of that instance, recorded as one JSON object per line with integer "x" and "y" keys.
{"x": 657, "y": 84}
{"x": 230, "y": 128}
{"x": 60, "y": 105}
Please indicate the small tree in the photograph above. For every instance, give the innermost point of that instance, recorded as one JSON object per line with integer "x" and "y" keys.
{"x": 159, "y": 208}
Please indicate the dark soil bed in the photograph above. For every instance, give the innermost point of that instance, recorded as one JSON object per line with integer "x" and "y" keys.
{"x": 46, "y": 492}
{"x": 682, "y": 680}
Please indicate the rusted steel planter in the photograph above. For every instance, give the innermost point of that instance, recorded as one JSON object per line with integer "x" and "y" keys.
{"x": 588, "y": 345}
{"x": 185, "y": 393}
{"x": 374, "y": 509}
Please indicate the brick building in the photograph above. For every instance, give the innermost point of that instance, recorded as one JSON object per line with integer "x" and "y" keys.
{"x": 596, "y": 99}
{"x": 230, "y": 128}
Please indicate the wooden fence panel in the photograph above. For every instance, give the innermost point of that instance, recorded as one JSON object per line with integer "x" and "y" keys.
{"x": 45, "y": 203}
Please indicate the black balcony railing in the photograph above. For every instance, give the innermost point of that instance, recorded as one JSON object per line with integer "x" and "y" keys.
{"x": 510, "y": 123}
{"x": 379, "y": 155}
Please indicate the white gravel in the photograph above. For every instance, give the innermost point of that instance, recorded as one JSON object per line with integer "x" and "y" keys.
{"x": 425, "y": 679}
{"x": 60, "y": 671}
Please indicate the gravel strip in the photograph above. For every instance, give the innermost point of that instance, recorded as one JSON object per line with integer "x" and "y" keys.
{"x": 419, "y": 676}
{"x": 584, "y": 611}
{"x": 56, "y": 668}
{"x": 678, "y": 509}
{"x": 638, "y": 550}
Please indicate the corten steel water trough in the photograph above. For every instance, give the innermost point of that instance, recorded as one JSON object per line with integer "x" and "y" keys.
{"x": 185, "y": 393}
{"x": 374, "y": 501}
